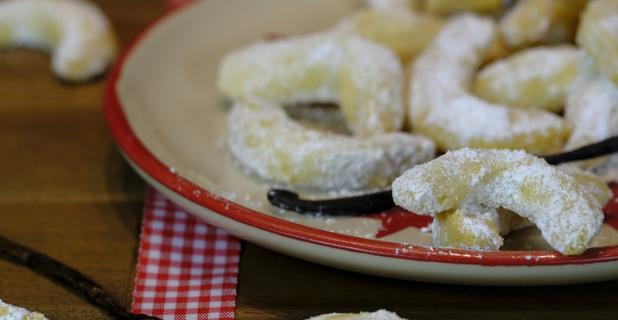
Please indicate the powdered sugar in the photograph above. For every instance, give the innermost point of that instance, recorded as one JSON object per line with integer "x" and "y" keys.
{"x": 471, "y": 227}
{"x": 565, "y": 212}
{"x": 77, "y": 33}
{"x": 442, "y": 107}
{"x": 9, "y": 312}
{"x": 275, "y": 70}
{"x": 378, "y": 315}
{"x": 371, "y": 87}
{"x": 528, "y": 22}
{"x": 592, "y": 108}
{"x": 538, "y": 76}
{"x": 322, "y": 67}
{"x": 270, "y": 144}
{"x": 598, "y": 36}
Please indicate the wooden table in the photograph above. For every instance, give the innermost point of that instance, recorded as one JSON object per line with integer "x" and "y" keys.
{"x": 67, "y": 192}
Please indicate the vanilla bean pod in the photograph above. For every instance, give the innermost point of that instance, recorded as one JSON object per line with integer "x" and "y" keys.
{"x": 71, "y": 278}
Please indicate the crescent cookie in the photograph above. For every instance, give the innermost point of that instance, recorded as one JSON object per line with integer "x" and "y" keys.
{"x": 564, "y": 210}
{"x": 378, "y": 315}
{"x": 442, "y": 107}
{"x": 9, "y": 312}
{"x": 541, "y": 21}
{"x": 598, "y": 36}
{"x": 536, "y": 78}
{"x": 266, "y": 141}
{"x": 480, "y": 228}
{"x": 405, "y": 32}
{"x": 364, "y": 77}
{"x": 75, "y": 33}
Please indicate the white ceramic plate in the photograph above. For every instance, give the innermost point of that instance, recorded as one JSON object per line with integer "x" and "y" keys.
{"x": 165, "y": 112}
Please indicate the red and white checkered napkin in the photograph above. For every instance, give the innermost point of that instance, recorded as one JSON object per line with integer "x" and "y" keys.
{"x": 186, "y": 268}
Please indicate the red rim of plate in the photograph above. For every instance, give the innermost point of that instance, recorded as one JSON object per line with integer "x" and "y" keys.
{"x": 133, "y": 148}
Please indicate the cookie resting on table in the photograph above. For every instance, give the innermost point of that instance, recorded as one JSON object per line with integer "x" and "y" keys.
{"x": 472, "y": 181}
{"x": 536, "y": 78}
{"x": 598, "y": 36}
{"x": 378, "y": 315}
{"x": 365, "y": 78}
{"x": 443, "y": 108}
{"x": 265, "y": 140}
{"x": 9, "y": 312}
{"x": 75, "y": 33}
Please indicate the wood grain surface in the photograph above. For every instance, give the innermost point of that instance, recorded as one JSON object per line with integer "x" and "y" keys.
{"x": 66, "y": 191}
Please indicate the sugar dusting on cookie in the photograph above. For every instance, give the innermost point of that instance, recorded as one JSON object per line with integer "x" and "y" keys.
{"x": 9, "y": 312}
{"x": 442, "y": 107}
{"x": 567, "y": 214}
{"x": 273, "y": 146}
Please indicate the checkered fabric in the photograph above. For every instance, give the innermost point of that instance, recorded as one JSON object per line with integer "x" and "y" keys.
{"x": 186, "y": 268}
